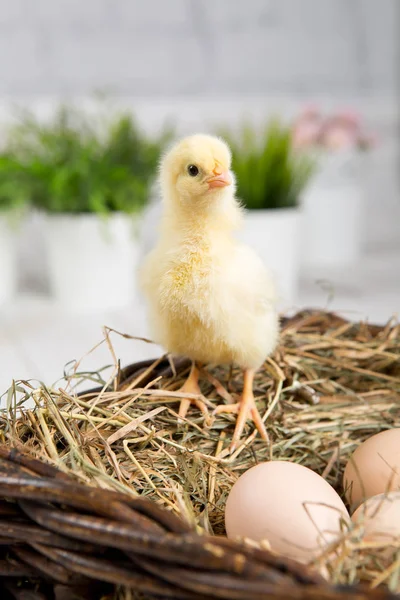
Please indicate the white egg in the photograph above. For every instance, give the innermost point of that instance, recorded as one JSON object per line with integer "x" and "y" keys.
{"x": 380, "y": 518}
{"x": 288, "y": 505}
{"x": 374, "y": 467}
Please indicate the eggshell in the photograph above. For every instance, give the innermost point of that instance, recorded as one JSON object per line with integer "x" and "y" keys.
{"x": 288, "y": 505}
{"x": 380, "y": 518}
{"x": 374, "y": 468}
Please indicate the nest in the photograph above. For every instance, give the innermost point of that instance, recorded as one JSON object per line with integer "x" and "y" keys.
{"x": 112, "y": 496}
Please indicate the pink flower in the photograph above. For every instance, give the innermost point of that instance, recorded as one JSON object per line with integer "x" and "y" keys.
{"x": 337, "y": 138}
{"x": 305, "y": 130}
{"x": 341, "y": 131}
{"x": 350, "y": 117}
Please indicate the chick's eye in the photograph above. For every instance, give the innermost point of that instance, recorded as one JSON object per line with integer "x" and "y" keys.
{"x": 193, "y": 170}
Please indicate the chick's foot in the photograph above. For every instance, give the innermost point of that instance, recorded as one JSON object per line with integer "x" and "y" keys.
{"x": 246, "y": 407}
{"x": 191, "y": 386}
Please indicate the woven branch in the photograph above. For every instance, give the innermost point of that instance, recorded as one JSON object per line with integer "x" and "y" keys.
{"x": 60, "y": 538}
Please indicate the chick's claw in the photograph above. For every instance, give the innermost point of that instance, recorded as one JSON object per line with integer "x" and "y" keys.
{"x": 186, "y": 402}
{"x": 244, "y": 408}
{"x": 191, "y": 386}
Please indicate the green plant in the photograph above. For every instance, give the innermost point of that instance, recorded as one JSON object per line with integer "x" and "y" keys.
{"x": 73, "y": 167}
{"x": 13, "y": 195}
{"x": 269, "y": 173}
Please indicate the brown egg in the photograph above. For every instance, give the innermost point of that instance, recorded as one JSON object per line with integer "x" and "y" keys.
{"x": 288, "y": 505}
{"x": 380, "y": 518}
{"x": 374, "y": 468}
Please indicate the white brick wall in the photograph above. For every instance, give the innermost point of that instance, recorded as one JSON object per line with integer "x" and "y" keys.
{"x": 198, "y": 46}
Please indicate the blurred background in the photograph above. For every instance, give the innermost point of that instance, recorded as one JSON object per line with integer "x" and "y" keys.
{"x": 78, "y": 207}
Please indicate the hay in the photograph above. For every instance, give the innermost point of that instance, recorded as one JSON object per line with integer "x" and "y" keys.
{"x": 330, "y": 385}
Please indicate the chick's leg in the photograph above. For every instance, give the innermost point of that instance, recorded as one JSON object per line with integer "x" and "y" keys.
{"x": 191, "y": 386}
{"x": 243, "y": 408}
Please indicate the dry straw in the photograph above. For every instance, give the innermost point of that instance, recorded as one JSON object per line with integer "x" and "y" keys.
{"x": 329, "y": 386}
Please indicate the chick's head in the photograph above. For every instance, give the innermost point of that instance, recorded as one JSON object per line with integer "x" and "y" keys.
{"x": 197, "y": 169}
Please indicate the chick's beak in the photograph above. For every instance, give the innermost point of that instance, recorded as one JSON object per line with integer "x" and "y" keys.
{"x": 220, "y": 178}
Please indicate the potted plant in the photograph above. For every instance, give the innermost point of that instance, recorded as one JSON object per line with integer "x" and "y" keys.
{"x": 333, "y": 202}
{"x": 91, "y": 183}
{"x": 12, "y": 202}
{"x": 270, "y": 178}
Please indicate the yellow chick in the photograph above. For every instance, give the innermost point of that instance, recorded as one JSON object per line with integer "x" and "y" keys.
{"x": 209, "y": 297}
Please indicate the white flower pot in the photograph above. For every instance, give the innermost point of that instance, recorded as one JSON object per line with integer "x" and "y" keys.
{"x": 333, "y": 214}
{"x": 273, "y": 234}
{"x": 332, "y": 233}
{"x": 32, "y": 273}
{"x": 91, "y": 260}
{"x": 8, "y": 270}
{"x": 150, "y": 228}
